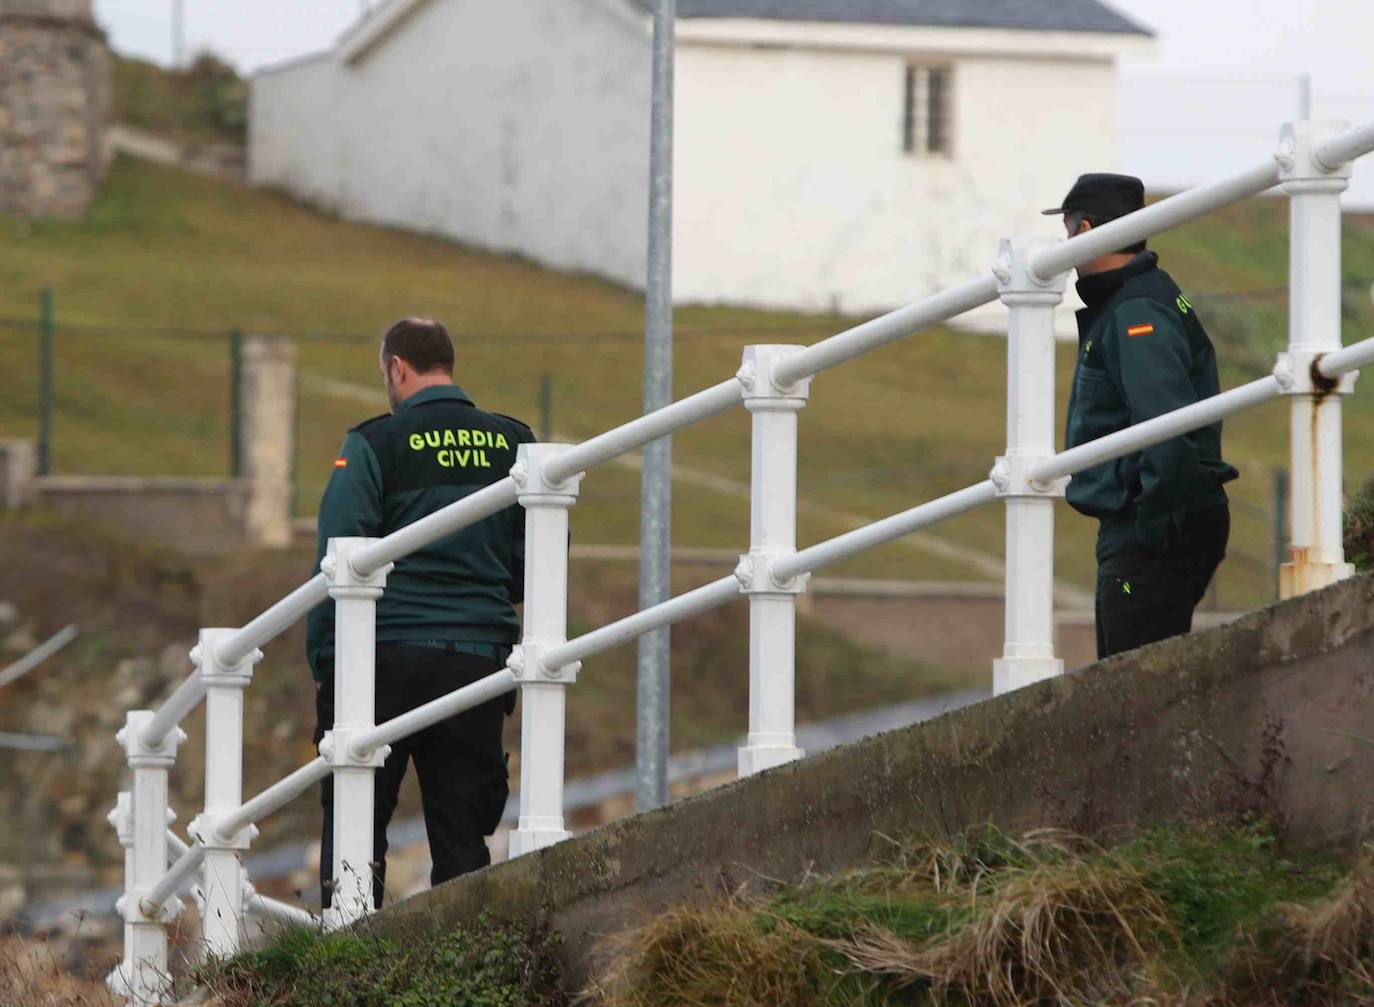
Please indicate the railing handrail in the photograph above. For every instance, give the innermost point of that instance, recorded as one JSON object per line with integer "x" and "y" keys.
{"x": 1172, "y": 424}
{"x": 901, "y": 323}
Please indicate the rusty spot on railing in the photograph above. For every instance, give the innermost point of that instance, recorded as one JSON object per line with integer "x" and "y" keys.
{"x": 1323, "y": 385}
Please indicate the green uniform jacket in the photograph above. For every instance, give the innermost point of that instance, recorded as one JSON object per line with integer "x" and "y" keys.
{"x": 393, "y": 470}
{"x": 1142, "y": 352}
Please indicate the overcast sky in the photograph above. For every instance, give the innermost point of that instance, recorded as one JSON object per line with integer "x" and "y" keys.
{"x": 1257, "y": 36}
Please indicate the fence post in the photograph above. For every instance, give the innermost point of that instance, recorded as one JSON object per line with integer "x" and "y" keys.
{"x": 543, "y": 690}
{"x": 773, "y": 410}
{"x": 45, "y": 383}
{"x": 143, "y": 976}
{"x": 355, "y": 703}
{"x": 1316, "y": 551}
{"x": 222, "y": 886}
{"x": 267, "y": 410}
{"x": 1028, "y": 649}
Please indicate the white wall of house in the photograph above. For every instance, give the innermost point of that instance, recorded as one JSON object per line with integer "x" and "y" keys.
{"x": 522, "y": 126}
{"x": 515, "y": 126}
{"x": 794, "y": 190}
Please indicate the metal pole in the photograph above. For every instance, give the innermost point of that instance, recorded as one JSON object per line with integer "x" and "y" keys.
{"x": 1028, "y": 640}
{"x": 38, "y": 655}
{"x": 543, "y": 687}
{"x": 235, "y": 404}
{"x": 546, "y": 408}
{"x": 1304, "y": 96}
{"x": 772, "y": 537}
{"x": 178, "y": 34}
{"x": 656, "y": 491}
{"x": 45, "y": 383}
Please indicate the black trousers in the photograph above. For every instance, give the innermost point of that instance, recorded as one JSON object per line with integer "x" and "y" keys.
{"x": 1144, "y": 596}
{"x": 460, "y": 763}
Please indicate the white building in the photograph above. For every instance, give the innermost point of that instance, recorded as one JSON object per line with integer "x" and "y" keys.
{"x": 850, "y": 154}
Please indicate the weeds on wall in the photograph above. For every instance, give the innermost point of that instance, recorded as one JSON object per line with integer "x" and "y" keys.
{"x": 1186, "y": 918}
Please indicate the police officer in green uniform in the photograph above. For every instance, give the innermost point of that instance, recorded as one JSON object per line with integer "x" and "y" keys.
{"x": 447, "y": 617}
{"x": 1164, "y": 518}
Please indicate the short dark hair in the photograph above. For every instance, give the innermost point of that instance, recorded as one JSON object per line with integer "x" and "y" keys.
{"x": 422, "y": 343}
{"x": 1097, "y": 220}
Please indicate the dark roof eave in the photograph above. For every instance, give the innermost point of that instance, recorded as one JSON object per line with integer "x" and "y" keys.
{"x": 1086, "y": 16}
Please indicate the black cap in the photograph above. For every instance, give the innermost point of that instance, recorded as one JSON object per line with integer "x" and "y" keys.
{"x": 1103, "y": 195}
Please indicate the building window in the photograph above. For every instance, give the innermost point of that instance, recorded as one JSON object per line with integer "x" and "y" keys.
{"x": 926, "y": 117}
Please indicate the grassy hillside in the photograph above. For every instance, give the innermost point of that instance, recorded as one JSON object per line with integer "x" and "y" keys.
{"x": 166, "y": 261}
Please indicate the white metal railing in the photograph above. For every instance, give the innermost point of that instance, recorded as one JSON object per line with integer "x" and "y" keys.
{"x": 773, "y": 385}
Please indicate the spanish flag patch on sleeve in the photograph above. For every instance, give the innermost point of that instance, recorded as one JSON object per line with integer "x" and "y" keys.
{"x": 341, "y": 463}
{"x": 1140, "y": 330}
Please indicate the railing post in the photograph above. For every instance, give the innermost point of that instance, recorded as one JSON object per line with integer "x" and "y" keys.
{"x": 143, "y": 977}
{"x": 355, "y": 704}
{"x": 543, "y": 690}
{"x": 773, "y": 410}
{"x": 1316, "y": 552}
{"x": 222, "y": 886}
{"x": 1028, "y": 648}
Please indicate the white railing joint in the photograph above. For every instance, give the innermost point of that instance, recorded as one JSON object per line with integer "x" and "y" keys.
{"x": 758, "y": 573}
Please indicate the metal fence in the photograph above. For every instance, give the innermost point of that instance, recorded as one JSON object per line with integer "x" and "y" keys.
{"x": 773, "y": 385}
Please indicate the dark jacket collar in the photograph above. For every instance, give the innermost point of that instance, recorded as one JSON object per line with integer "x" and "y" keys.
{"x": 1099, "y": 288}
{"x": 435, "y": 393}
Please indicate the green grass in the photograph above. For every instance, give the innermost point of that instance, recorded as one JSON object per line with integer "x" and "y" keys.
{"x": 163, "y": 250}
{"x": 1192, "y": 916}
{"x": 487, "y": 965}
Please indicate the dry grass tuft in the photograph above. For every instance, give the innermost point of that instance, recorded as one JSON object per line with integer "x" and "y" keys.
{"x": 1070, "y": 932}
{"x": 717, "y": 955}
{"x": 982, "y": 921}
{"x": 1318, "y": 955}
{"x": 33, "y": 975}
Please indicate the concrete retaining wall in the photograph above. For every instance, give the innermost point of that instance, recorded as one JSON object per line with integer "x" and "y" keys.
{"x": 194, "y": 516}
{"x": 1263, "y": 715}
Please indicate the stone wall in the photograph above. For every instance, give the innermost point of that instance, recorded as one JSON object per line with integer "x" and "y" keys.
{"x": 54, "y": 104}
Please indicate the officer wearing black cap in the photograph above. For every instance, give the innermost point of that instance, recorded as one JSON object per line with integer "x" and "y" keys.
{"x": 1164, "y": 519}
